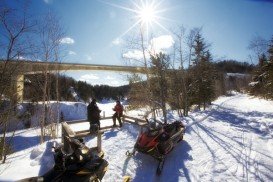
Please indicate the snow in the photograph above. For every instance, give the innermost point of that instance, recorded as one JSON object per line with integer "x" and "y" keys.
{"x": 240, "y": 75}
{"x": 253, "y": 83}
{"x": 230, "y": 141}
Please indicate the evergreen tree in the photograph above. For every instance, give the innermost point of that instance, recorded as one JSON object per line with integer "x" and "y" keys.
{"x": 138, "y": 96}
{"x": 262, "y": 84}
{"x": 202, "y": 74}
{"x": 259, "y": 77}
{"x": 159, "y": 83}
{"x": 269, "y": 72}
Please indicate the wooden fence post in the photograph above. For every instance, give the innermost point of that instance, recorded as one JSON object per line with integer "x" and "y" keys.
{"x": 99, "y": 146}
{"x": 66, "y": 134}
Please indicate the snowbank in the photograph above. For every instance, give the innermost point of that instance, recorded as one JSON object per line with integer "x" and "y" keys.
{"x": 231, "y": 141}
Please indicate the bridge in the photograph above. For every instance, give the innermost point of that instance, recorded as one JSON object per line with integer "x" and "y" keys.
{"x": 33, "y": 67}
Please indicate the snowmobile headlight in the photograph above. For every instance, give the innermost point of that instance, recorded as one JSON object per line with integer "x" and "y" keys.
{"x": 85, "y": 151}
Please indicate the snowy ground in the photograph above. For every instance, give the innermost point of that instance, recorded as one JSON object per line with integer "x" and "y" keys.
{"x": 231, "y": 141}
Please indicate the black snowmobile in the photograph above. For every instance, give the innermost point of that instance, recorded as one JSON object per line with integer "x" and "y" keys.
{"x": 81, "y": 165}
{"x": 158, "y": 140}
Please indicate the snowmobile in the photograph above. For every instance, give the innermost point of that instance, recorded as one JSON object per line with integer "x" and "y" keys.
{"x": 158, "y": 140}
{"x": 80, "y": 165}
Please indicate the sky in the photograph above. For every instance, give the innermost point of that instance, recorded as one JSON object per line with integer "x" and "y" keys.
{"x": 97, "y": 30}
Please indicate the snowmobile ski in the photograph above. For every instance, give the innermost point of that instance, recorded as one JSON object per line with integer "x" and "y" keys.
{"x": 130, "y": 154}
{"x": 160, "y": 166}
{"x": 126, "y": 178}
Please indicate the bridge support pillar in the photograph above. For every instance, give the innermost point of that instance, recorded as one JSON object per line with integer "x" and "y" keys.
{"x": 18, "y": 83}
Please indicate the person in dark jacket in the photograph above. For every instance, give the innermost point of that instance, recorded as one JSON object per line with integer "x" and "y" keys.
{"x": 118, "y": 113}
{"x": 93, "y": 113}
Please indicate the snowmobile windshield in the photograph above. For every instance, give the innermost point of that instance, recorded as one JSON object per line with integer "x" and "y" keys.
{"x": 153, "y": 133}
{"x": 155, "y": 125}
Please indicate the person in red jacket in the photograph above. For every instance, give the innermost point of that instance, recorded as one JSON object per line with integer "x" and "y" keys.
{"x": 118, "y": 113}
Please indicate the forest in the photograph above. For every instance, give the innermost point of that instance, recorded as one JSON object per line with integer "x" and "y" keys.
{"x": 84, "y": 91}
{"x": 33, "y": 83}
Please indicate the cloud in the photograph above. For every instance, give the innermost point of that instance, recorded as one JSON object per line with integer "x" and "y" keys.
{"x": 88, "y": 77}
{"x": 161, "y": 43}
{"x": 97, "y": 77}
{"x": 134, "y": 54}
{"x": 158, "y": 44}
{"x": 88, "y": 57}
{"x": 48, "y": 1}
{"x": 21, "y": 58}
{"x": 269, "y": 1}
{"x": 72, "y": 53}
{"x": 110, "y": 78}
{"x": 115, "y": 83}
{"x": 112, "y": 15}
{"x": 67, "y": 40}
{"x": 117, "y": 41}
{"x": 94, "y": 79}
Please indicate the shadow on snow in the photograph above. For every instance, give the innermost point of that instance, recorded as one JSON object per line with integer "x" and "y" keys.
{"x": 174, "y": 166}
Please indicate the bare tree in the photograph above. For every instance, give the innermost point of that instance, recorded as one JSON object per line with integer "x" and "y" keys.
{"x": 160, "y": 86}
{"x": 180, "y": 86}
{"x": 50, "y": 33}
{"x": 14, "y": 27}
{"x": 258, "y": 45}
{"x": 139, "y": 46}
{"x": 190, "y": 42}
{"x": 183, "y": 51}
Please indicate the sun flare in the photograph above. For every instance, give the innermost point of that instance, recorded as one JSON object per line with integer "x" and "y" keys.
{"x": 147, "y": 14}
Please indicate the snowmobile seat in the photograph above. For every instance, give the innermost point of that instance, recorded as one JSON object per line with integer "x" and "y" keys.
{"x": 153, "y": 133}
{"x": 173, "y": 127}
{"x": 164, "y": 136}
{"x": 170, "y": 129}
{"x": 94, "y": 164}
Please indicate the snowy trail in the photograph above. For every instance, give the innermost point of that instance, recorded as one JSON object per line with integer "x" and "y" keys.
{"x": 220, "y": 144}
{"x": 229, "y": 147}
{"x": 230, "y": 141}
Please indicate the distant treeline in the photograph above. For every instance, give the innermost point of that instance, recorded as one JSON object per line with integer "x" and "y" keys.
{"x": 34, "y": 84}
{"x": 232, "y": 66}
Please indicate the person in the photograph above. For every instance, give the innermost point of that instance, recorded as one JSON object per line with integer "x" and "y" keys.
{"x": 93, "y": 114}
{"x": 27, "y": 119}
{"x": 118, "y": 113}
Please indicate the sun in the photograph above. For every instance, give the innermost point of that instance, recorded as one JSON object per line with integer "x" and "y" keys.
{"x": 147, "y": 14}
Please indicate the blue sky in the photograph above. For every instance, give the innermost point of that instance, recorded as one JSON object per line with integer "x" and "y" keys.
{"x": 95, "y": 28}
{"x": 95, "y": 25}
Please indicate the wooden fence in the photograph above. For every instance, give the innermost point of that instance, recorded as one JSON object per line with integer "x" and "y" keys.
{"x": 67, "y": 131}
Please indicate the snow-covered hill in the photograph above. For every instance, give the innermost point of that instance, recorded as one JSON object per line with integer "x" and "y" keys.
{"x": 231, "y": 141}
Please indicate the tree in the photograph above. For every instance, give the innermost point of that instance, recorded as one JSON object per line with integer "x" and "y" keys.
{"x": 269, "y": 72}
{"x": 202, "y": 73}
{"x": 50, "y": 34}
{"x": 262, "y": 84}
{"x": 259, "y": 46}
{"x": 191, "y": 41}
{"x": 182, "y": 51}
{"x": 257, "y": 87}
{"x": 159, "y": 81}
{"x": 15, "y": 25}
{"x": 139, "y": 46}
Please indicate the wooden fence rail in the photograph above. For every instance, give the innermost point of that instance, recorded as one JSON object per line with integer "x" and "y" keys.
{"x": 67, "y": 131}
